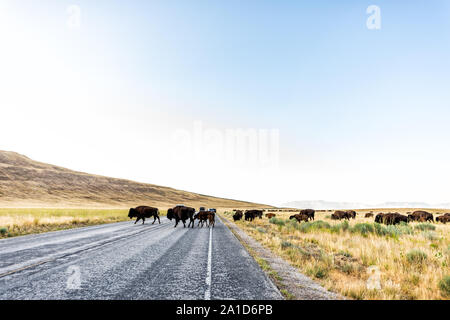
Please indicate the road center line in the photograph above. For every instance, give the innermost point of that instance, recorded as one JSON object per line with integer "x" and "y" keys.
{"x": 208, "y": 269}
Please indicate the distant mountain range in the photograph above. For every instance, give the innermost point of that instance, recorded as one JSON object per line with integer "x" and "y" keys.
{"x": 328, "y": 205}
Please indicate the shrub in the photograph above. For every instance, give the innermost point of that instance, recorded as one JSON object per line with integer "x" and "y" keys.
{"x": 380, "y": 229}
{"x": 347, "y": 268}
{"x": 363, "y": 228}
{"x": 430, "y": 235}
{"x": 404, "y": 228}
{"x": 345, "y": 254}
{"x": 286, "y": 244}
{"x": 313, "y": 226}
{"x": 425, "y": 226}
{"x": 319, "y": 272}
{"x": 345, "y": 226}
{"x": 3, "y": 231}
{"x": 444, "y": 285}
{"x": 292, "y": 223}
{"x": 416, "y": 256}
{"x": 261, "y": 230}
{"x": 277, "y": 221}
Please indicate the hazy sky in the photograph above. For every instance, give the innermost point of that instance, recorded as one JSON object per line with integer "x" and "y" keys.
{"x": 153, "y": 90}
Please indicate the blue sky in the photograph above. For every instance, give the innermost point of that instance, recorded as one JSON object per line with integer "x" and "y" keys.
{"x": 354, "y": 107}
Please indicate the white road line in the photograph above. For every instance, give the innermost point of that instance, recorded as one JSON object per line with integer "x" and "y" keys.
{"x": 208, "y": 270}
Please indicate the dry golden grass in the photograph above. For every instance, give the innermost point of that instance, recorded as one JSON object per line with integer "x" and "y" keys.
{"x": 15, "y": 222}
{"x": 411, "y": 261}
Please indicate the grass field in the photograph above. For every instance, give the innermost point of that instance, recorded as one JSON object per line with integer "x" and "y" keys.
{"x": 361, "y": 259}
{"x": 15, "y": 222}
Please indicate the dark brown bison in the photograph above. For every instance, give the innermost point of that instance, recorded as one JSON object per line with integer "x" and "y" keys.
{"x": 238, "y": 215}
{"x": 252, "y": 214}
{"x": 259, "y": 213}
{"x": 300, "y": 217}
{"x": 368, "y": 215}
{"x": 400, "y": 218}
{"x": 444, "y": 218}
{"x": 339, "y": 215}
{"x": 422, "y": 216}
{"x": 394, "y": 218}
{"x": 270, "y": 215}
{"x": 379, "y": 218}
{"x": 202, "y": 217}
{"x": 205, "y": 216}
{"x": 143, "y": 212}
{"x": 211, "y": 219}
{"x": 309, "y": 212}
{"x": 351, "y": 214}
{"x": 181, "y": 213}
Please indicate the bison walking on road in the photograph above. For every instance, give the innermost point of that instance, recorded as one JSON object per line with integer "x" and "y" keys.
{"x": 143, "y": 212}
{"x": 211, "y": 219}
{"x": 205, "y": 216}
{"x": 181, "y": 213}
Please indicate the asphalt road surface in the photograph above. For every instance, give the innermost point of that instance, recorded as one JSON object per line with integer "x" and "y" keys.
{"x": 128, "y": 261}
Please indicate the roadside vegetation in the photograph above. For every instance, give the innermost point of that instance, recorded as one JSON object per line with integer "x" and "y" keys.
{"x": 361, "y": 259}
{"x": 16, "y": 222}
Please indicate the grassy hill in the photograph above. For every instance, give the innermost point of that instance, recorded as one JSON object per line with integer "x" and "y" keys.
{"x": 28, "y": 183}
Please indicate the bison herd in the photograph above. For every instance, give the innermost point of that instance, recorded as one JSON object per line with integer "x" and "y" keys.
{"x": 386, "y": 218}
{"x": 393, "y": 218}
{"x": 249, "y": 215}
{"x": 304, "y": 215}
{"x": 177, "y": 213}
{"x": 188, "y": 214}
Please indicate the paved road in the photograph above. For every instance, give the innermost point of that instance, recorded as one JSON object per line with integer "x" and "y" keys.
{"x": 127, "y": 261}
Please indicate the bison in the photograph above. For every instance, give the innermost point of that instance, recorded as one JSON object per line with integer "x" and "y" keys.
{"x": 379, "y": 218}
{"x": 444, "y": 218}
{"x": 368, "y": 215}
{"x": 202, "y": 217}
{"x": 252, "y": 214}
{"x": 300, "y": 217}
{"x": 400, "y": 218}
{"x": 309, "y": 212}
{"x": 237, "y": 215}
{"x": 143, "y": 212}
{"x": 351, "y": 214}
{"x": 205, "y": 216}
{"x": 393, "y": 218}
{"x": 270, "y": 215}
{"x": 181, "y": 213}
{"x": 338, "y": 215}
{"x": 422, "y": 216}
{"x": 212, "y": 219}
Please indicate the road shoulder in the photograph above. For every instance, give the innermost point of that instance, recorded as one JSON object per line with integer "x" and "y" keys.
{"x": 291, "y": 283}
